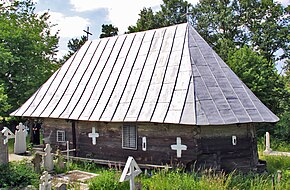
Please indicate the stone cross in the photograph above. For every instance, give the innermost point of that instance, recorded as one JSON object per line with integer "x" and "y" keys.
{"x": 178, "y": 147}
{"x": 59, "y": 160}
{"x": 4, "y": 158}
{"x": 268, "y": 149}
{"x": 45, "y": 181}
{"x": 130, "y": 171}
{"x": 8, "y": 134}
{"x": 94, "y": 136}
{"x": 20, "y": 139}
{"x": 36, "y": 162}
{"x": 48, "y": 158}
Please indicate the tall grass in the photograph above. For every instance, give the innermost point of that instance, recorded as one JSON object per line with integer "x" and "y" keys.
{"x": 276, "y": 145}
{"x": 161, "y": 180}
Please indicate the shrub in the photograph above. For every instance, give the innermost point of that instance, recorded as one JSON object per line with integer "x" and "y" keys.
{"x": 17, "y": 175}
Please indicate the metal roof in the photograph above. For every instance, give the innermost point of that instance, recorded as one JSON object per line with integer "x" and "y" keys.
{"x": 167, "y": 75}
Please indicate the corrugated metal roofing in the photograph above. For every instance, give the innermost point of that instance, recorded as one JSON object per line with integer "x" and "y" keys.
{"x": 167, "y": 75}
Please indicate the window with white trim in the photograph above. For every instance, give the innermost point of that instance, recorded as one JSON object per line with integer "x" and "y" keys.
{"x": 129, "y": 137}
{"x": 60, "y": 136}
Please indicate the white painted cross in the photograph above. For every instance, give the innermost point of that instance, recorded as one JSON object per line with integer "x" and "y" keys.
{"x": 8, "y": 134}
{"x": 178, "y": 147}
{"x": 130, "y": 171}
{"x": 94, "y": 136}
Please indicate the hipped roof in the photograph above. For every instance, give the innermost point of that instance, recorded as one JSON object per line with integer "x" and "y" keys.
{"x": 167, "y": 75}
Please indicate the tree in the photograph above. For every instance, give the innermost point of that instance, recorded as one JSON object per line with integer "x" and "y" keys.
{"x": 263, "y": 25}
{"x": 261, "y": 77}
{"x": 172, "y": 12}
{"x": 148, "y": 20}
{"x": 27, "y": 51}
{"x": 4, "y": 106}
{"x": 108, "y": 30}
{"x": 73, "y": 45}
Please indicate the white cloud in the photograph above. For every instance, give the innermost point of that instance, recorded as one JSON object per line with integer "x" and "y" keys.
{"x": 69, "y": 27}
{"x": 121, "y": 13}
{"x": 284, "y": 2}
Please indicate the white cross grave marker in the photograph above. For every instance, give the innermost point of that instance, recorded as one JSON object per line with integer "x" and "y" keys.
{"x": 20, "y": 139}
{"x": 130, "y": 171}
{"x": 67, "y": 152}
{"x": 94, "y": 136}
{"x": 45, "y": 181}
{"x": 178, "y": 147}
{"x": 268, "y": 148}
{"x": 8, "y": 134}
{"x": 48, "y": 158}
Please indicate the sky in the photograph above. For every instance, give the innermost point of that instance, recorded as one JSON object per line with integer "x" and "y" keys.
{"x": 74, "y": 16}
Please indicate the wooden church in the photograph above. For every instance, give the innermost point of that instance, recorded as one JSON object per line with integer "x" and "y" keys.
{"x": 162, "y": 96}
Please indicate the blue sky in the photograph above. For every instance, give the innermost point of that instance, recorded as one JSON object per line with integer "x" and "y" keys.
{"x": 73, "y": 16}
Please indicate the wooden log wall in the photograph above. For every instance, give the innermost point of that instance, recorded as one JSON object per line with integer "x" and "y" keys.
{"x": 207, "y": 146}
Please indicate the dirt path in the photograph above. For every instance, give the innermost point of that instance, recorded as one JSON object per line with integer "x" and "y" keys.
{"x": 15, "y": 157}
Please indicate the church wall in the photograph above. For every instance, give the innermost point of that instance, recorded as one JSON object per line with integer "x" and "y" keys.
{"x": 207, "y": 146}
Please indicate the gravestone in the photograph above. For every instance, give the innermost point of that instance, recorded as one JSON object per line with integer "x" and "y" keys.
{"x": 48, "y": 158}
{"x": 130, "y": 171}
{"x": 37, "y": 162}
{"x": 7, "y": 133}
{"x": 268, "y": 148}
{"x": 20, "y": 139}
{"x": 3, "y": 150}
{"x": 59, "y": 160}
{"x": 61, "y": 186}
{"x": 45, "y": 181}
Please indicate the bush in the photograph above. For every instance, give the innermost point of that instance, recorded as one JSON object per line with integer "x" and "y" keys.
{"x": 282, "y": 129}
{"x": 17, "y": 175}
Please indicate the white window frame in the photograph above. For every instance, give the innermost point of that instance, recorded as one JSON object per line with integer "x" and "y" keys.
{"x": 129, "y": 145}
{"x": 60, "y": 136}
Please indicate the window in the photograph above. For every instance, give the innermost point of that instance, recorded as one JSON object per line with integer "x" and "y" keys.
{"x": 129, "y": 137}
{"x": 60, "y": 136}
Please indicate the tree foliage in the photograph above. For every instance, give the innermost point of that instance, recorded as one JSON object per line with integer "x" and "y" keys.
{"x": 109, "y": 30}
{"x": 172, "y": 12}
{"x": 261, "y": 77}
{"x": 4, "y": 106}
{"x": 263, "y": 25}
{"x": 27, "y": 50}
{"x": 73, "y": 45}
